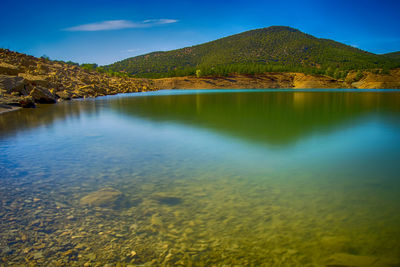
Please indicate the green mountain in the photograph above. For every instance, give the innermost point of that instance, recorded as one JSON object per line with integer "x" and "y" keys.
{"x": 393, "y": 55}
{"x": 273, "y": 49}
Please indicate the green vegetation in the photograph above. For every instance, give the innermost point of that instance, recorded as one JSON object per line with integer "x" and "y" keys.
{"x": 95, "y": 67}
{"x": 359, "y": 76}
{"x": 89, "y": 66}
{"x": 273, "y": 49}
{"x": 393, "y": 55}
{"x": 45, "y": 57}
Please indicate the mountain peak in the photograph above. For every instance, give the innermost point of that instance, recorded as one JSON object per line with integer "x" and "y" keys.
{"x": 280, "y": 28}
{"x": 275, "y": 48}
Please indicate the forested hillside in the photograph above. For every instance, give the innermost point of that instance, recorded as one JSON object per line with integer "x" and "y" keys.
{"x": 273, "y": 49}
{"x": 394, "y": 55}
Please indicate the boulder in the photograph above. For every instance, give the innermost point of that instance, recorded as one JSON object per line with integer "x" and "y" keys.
{"x": 12, "y": 84}
{"x": 27, "y": 102}
{"x": 35, "y": 80}
{"x": 8, "y": 69}
{"x": 42, "y": 95}
{"x": 42, "y": 69}
{"x": 87, "y": 88}
{"x": 103, "y": 197}
{"x": 64, "y": 95}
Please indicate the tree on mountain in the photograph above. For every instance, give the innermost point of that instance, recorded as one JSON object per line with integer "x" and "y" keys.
{"x": 89, "y": 66}
{"x": 198, "y": 73}
{"x": 359, "y": 75}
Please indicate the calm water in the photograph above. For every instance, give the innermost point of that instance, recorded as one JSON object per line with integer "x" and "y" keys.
{"x": 204, "y": 178}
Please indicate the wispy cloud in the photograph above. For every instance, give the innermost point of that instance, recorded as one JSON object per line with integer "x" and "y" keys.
{"x": 108, "y": 25}
{"x": 132, "y": 50}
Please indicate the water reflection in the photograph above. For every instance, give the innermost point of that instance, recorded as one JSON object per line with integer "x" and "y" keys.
{"x": 46, "y": 114}
{"x": 276, "y": 118}
{"x": 272, "y": 117}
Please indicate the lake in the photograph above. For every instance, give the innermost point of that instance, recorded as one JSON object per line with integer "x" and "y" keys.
{"x": 204, "y": 178}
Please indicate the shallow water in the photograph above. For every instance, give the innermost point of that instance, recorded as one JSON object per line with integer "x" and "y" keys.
{"x": 202, "y": 178}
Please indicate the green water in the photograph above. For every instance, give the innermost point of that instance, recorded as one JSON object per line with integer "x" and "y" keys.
{"x": 203, "y": 178}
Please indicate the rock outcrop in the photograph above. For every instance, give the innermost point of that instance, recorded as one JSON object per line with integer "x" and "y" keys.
{"x": 42, "y": 95}
{"x": 10, "y": 84}
{"x": 26, "y": 80}
{"x": 283, "y": 80}
{"x": 8, "y": 69}
{"x": 301, "y": 80}
{"x": 35, "y": 79}
{"x": 377, "y": 81}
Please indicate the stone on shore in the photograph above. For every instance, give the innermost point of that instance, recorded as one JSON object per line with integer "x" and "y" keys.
{"x": 27, "y": 102}
{"x": 64, "y": 95}
{"x": 42, "y": 95}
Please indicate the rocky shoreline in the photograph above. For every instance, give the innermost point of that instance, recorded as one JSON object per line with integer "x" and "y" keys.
{"x": 8, "y": 108}
{"x": 26, "y": 81}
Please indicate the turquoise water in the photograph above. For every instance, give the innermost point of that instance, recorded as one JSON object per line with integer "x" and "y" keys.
{"x": 203, "y": 178}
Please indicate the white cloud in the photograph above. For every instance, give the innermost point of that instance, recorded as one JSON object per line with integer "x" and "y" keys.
{"x": 132, "y": 50}
{"x": 119, "y": 24}
{"x": 159, "y": 21}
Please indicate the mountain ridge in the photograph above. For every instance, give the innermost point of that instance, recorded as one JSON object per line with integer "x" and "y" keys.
{"x": 393, "y": 55}
{"x": 271, "y": 49}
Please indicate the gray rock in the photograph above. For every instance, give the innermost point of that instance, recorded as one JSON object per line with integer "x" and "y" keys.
{"x": 42, "y": 95}
{"x": 9, "y": 69}
{"x": 35, "y": 79}
{"x": 65, "y": 95}
{"x": 12, "y": 84}
{"x": 27, "y": 102}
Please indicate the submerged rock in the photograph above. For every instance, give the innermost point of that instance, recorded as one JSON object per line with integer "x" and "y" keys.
{"x": 102, "y": 197}
{"x": 344, "y": 259}
{"x": 167, "y": 199}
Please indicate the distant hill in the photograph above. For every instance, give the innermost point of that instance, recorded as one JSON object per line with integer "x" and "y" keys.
{"x": 393, "y": 55}
{"x": 272, "y": 49}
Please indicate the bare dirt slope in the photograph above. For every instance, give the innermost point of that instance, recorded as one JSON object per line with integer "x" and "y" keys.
{"x": 283, "y": 80}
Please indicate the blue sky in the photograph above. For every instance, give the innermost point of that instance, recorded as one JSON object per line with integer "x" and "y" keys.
{"x": 106, "y": 31}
